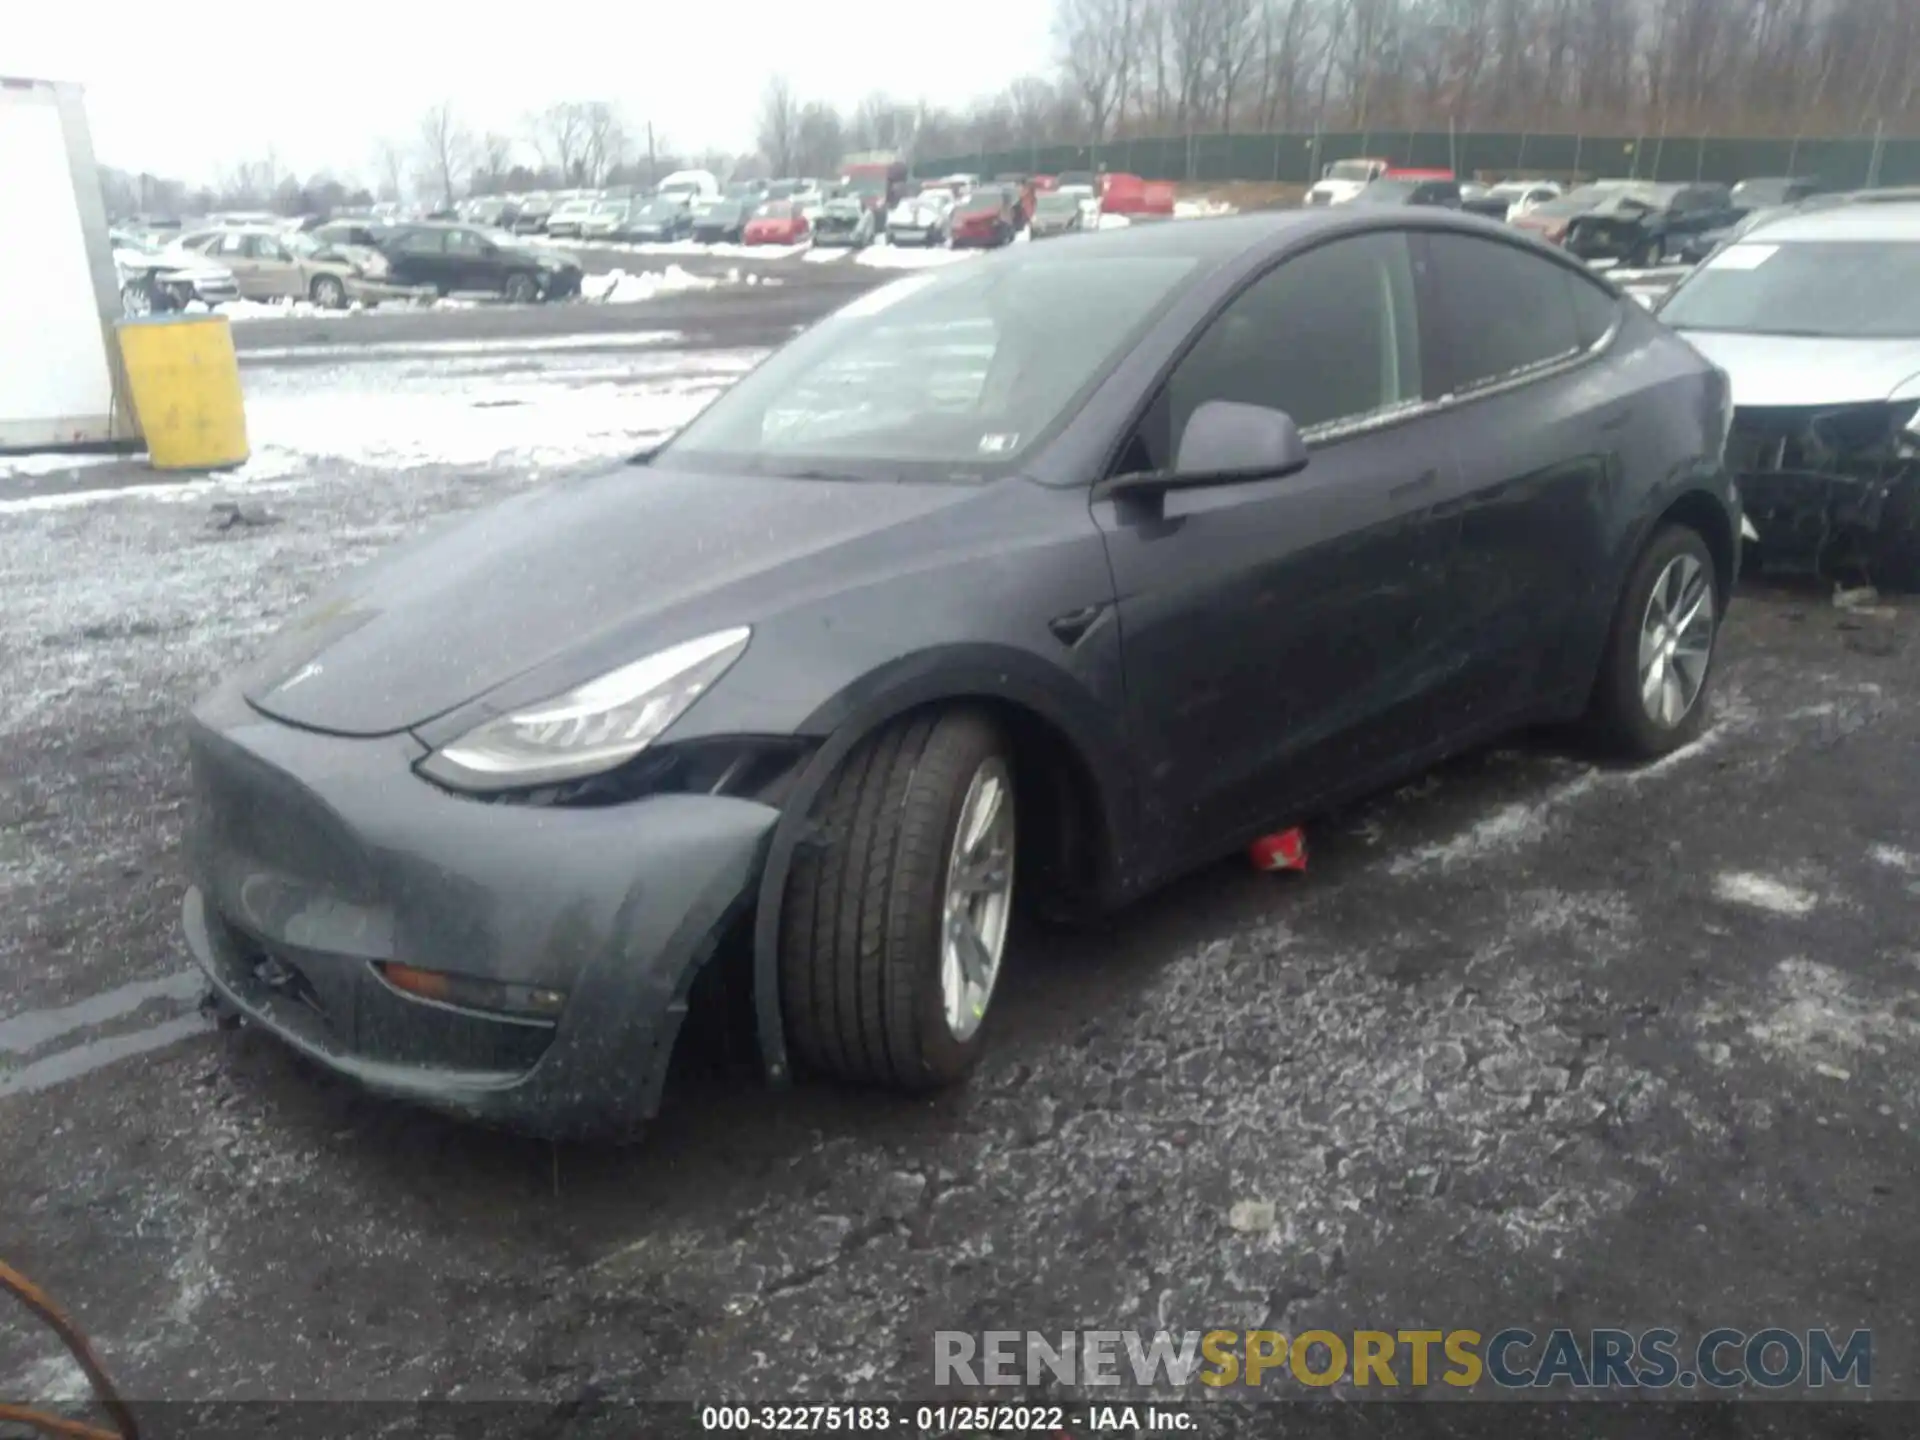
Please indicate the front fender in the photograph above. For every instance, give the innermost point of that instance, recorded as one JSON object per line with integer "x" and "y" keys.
{"x": 951, "y": 674}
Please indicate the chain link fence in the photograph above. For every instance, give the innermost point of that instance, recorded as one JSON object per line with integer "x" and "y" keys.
{"x": 1299, "y": 157}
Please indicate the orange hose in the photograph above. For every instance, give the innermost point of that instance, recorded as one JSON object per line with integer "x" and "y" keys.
{"x": 35, "y": 1299}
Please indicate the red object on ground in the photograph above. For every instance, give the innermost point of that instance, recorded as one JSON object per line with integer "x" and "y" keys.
{"x": 1130, "y": 195}
{"x": 1414, "y": 172}
{"x": 1282, "y": 850}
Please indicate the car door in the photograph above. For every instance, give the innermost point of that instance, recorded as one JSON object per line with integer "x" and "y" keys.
{"x": 1533, "y": 421}
{"x": 232, "y": 251}
{"x": 1276, "y": 633}
{"x": 418, "y": 256}
{"x": 276, "y": 274}
{"x": 474, "y": 261}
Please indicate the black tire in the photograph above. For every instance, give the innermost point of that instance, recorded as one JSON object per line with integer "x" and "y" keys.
{"x": 1617, "y": 716}
{"x": 520, "y": 289}
{"x": 861, "y": 938}
{"x": 138, "y": 298}
{"x": 328, "y": 292}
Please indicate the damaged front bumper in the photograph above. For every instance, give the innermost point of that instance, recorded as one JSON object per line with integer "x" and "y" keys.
{"x": 1826, "y": 488}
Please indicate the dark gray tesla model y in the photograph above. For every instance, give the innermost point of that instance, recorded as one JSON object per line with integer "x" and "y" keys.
{"x": 1050, "y": 575}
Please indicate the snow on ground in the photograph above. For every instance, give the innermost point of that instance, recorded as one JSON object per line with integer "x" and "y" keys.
{"x": 1201, "y": 209}
{"x": 617, "y": 287}
{"x": 495, "y": 409}
{"x": 685, "y": 247}
{"x": 21, "y": 467}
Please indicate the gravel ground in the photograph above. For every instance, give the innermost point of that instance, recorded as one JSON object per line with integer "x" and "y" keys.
{"x": 1533, "y": 1042}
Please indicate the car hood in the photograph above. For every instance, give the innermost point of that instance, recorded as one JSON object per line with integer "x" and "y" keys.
{"x": 1793, "y": 370}
{"x": 571, "y": 579}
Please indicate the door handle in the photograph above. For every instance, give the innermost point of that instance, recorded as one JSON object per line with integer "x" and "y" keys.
{"x": 1422, "y": 481}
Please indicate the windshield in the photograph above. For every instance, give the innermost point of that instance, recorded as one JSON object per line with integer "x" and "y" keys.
{"x": 1579, "y": 202}
{"x": 866, "y": 184}
{"x": 1390, "y": 190}
{"x": 1843, "y": 289}
{"x": 958, "y": 371}
{"x": 776, "y": 210}
{"x": 721, "y": 210}
{"x": 1056, "y": 205}
{"x": 1351, "y": 170}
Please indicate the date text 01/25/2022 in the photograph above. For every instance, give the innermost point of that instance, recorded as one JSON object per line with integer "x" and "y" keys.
{"x": 877, "y": 1418}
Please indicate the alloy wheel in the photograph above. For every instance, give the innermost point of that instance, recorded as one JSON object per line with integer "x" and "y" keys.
{"x": 136, "y": 300}
{"x": 979, "y": 898}
{"x": 1676, "y": 641}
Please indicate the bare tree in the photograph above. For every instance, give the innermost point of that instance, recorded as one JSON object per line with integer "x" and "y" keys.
{"x": 391, "y": 167}
{"x": 603, "y": 142}
{"x": 779, "y": 124}
{"x": 559, "y": 134}
{"x": 819, "y": 140}
{"x": 1097, "y": 43}
{"x": 493, "y": 160}
{"x": 446, "y": 151}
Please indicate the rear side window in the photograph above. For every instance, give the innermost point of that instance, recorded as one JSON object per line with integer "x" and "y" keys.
{"x": 1506, "y": 311}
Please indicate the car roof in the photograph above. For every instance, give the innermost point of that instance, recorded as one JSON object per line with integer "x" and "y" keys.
{"x": 1897, "y": 219}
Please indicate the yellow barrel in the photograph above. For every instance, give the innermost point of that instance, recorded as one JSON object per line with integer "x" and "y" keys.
{"x": 186, "y": 390}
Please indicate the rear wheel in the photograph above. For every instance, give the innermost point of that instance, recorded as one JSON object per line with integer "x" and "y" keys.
{"x": 1651, "y": 695}
{"x": 895, "y": 924}
{"x": 136, "y": 298}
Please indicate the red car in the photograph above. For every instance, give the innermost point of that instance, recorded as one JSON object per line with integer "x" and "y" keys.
{"x": 778, "y": 222}
{"x": 985, "y": 217}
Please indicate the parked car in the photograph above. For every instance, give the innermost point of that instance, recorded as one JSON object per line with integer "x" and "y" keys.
{"x": 722, "y": 221}
{"x": 1641, "y": 225}
{"x": 570, "y": 214}
{"x": 1058, "y": 213}
{"x": 1749, "y": 200}
{"x": 275, "y": 265}
{"x": 1394, "y": 190}
{"x": 986, "y": 217}
{"x": 920, "y": 219}
{"x": 605, "y": 220}
{"x": 532, "y": 215}
{"x": 156, "y": 278}
{"x": 493, "y": 211}
{"x": 1815, "y": 316}
{"x": 1343, "y": 180}
{"x": 688, "y": 185}
{"x": 1510, "y": 199}
{"x": 1550, "y": 218}
{"x": 446, "y": 258}
{"x": 1206, "y": 528}
{"x": 778, "y": 222}
{"x": 844, "y": 221}
{"x": 664, "y": 218}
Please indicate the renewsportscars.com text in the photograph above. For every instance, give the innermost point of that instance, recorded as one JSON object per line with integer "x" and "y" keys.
{"x": 1509, "y": 1359}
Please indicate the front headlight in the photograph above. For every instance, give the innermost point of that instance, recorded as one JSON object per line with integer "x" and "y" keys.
{"x": 592, "y": 727}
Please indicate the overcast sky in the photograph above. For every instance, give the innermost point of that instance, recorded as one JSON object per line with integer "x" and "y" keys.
{"x": 190, "y": 88}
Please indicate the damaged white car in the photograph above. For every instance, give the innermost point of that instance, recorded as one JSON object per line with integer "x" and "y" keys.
{"x": 1815, "y": 316}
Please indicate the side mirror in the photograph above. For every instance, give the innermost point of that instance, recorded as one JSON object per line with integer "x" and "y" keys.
{"x": 1225, "y": 443}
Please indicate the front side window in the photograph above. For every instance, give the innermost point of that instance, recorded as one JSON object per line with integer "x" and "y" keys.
{"x": 1507, "y": 310}
{"x": 1330, "y": 337}
{"x": 464, "y": 242}
{"x": 423, "y": 242}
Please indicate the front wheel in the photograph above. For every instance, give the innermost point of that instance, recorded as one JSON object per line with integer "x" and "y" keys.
{"x": 137, "y": 298}
{"x": 1651, "y": 695}
{"x": 328, "y": 293}
{"x": 521, "y": 289}
{"x": 895, "y": 922}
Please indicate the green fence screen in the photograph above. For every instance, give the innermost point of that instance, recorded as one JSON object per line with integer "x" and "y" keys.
{"x": 1299, "y": 157}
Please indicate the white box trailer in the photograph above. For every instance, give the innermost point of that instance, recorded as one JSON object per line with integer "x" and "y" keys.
{"x": 61, "y": 382}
